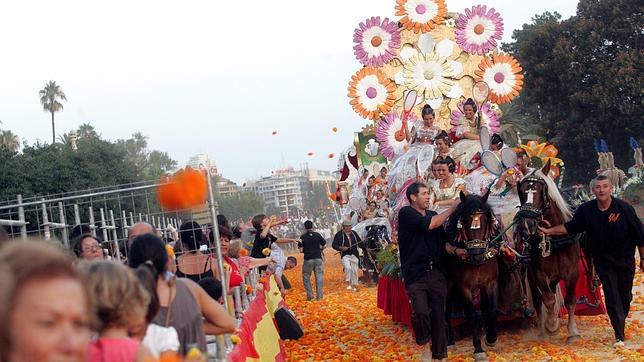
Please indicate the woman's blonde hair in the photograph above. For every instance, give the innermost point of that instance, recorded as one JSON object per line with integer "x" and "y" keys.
{"x": 233, "y": 248}
{"x": 118, "y": 298}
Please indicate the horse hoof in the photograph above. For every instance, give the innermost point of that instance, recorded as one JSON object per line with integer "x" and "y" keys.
{"x": 552, "y": 328}
{"x": 480, "y": 357}
{"x": 572, "y": 339}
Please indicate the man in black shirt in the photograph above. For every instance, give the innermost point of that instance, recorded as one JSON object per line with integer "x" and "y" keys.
{"x": 612, "y": 231}
{"x": 311, "y": 245}
{"x": 421, "y": 240}
{"x": 346, "y": 241}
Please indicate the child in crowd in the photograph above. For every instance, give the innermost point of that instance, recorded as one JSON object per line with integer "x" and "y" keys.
{"x": 163, "y": 342}
{"x": 119, "y": 303}
{"x": 213, "y": 287}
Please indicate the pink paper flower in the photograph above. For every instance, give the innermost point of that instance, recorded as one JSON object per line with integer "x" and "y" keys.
{"x": 478, "y": 30}
{"x": 376, "y": 42}
{"x": 386, "y": 134}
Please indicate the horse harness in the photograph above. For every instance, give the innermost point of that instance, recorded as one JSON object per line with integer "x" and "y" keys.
{"x": 479, "y": 251}
{"x": 529, "y": 211}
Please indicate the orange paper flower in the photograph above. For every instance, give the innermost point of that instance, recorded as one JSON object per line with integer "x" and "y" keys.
{"x": 502, "y": 73}
{"x": 243, "y": 252}
{"x": 371, "y": 93}
{"x": 421, "y": 15}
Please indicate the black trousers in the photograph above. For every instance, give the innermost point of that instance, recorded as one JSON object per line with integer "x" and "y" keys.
{"x": 427, "y": 296}
{"x": 617, "y": 282}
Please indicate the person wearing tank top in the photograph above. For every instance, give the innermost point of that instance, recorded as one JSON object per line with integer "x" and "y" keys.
{"x": 184, "y": 315}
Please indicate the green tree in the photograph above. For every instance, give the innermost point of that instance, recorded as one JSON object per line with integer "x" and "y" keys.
{"x": 582, "y": 79}
{"x": 50, "y": 98}
{"x": 157, "y": 164}
{"x": 149, "y": 164}
{"x": 241, "y": 206}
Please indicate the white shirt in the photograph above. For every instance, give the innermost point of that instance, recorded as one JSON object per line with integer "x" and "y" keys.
{"x": 161, "y": 339}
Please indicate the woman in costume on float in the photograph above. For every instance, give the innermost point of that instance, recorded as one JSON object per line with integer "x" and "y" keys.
{"x": 480, "y": 179}
{"x": 446, "y": 187}
{"x": 467, "y": 131}
{"x": 443, "y": 148}
{"x": 403, "y": 170}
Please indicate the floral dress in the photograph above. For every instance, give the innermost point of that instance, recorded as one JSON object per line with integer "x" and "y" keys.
{"x": 465, "y": 148}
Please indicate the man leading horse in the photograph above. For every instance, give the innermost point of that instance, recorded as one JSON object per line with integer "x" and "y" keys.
{"x": 613, "y": 230}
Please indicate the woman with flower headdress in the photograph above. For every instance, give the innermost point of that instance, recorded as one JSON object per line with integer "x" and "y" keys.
{"x": 404, "y": 169}
{"x": 443, "y": 148}
{"x": 467, "y": 131}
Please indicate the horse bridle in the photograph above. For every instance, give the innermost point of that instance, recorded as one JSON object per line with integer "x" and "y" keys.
{"x": 528, "y": 209}
{"x": 478, "y": 250}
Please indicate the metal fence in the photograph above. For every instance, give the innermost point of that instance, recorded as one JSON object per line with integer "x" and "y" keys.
{"x": 109, "y": 213}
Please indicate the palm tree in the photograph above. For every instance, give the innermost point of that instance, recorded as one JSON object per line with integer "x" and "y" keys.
{"x": 65, "y": 139}
{"x": 86, "y": 130}
{"x": 515, "y": 120}
{"x": 9, "y": 141}
{"x": 50, "y": 98}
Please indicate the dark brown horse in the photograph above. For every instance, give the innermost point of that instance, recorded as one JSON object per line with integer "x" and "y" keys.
{"x": 551, "y": 260}
{"x": 472, "y": 227}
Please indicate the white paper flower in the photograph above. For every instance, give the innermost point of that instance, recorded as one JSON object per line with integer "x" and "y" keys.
{"x": 429, "y": 74}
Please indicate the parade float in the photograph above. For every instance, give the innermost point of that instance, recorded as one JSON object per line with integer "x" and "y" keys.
{"x": 427, "y": 56}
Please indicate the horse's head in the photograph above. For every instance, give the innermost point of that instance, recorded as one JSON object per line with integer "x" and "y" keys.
{"x": 474, "y": 217}
{"x": 533, "y": 194}
{"x": 473, "y": 228}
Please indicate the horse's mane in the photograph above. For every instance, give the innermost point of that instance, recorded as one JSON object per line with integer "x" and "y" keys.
{"x": 555, "y": 195}
{"x": 471, "y": 204}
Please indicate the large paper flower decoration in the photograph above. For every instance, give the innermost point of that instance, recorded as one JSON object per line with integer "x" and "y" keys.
{"x": 421, "y": 15}
{"x": 544, "y": 151}
{"x": 376, "y": 42}
{"x": 503, "y": 74}
{"x": 371, "y": 93}
{"x": 429, "y": 74}
{"x": 489, "y": 118}
{"x": 540, "y": 153}
{"x": 386, "y": 135}
{"x": 478, "y": 30}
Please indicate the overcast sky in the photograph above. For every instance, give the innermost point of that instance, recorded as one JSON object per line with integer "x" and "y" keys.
{"x": 215, "y": 77}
